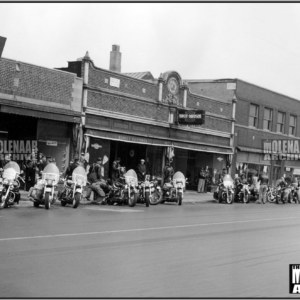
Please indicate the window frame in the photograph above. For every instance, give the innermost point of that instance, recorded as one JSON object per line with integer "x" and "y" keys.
{"x": 283, "y": 122}
{"x": 294, "y": 126}
{"x": 254, "y": 116}
{"x": 270, "y": 121}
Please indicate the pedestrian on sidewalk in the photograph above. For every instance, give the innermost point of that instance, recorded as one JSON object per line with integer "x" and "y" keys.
{"x": 207, "y": 179}
{"x": 263, "y": 181}
{"x": 201, "y": 181}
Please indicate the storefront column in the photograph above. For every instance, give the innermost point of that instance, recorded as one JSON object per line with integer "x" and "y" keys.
{"x": 160, "y": 80}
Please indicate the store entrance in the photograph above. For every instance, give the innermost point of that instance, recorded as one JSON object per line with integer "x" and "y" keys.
{"x": 129, "y": 153}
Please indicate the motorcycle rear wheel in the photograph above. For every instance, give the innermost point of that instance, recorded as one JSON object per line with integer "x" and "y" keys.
{"x": 156, "y": 198}
{"x": 47, "y": 200}
{"x": 76, "y": 200}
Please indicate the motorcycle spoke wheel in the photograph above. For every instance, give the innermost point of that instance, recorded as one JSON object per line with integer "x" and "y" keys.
{"x": 47, "y": 200}
{"x": 76, "y": 200}
{"x": 132, "y": 199}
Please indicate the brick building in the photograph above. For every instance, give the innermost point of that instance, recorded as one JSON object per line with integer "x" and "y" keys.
{"x": 134, "y": 116}
{"x": 42, "y": 104}
{"x": 260, "y": 115}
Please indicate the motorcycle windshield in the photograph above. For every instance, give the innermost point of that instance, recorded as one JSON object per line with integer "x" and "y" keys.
{"x": 178, "y": 177}
{"x": 228, "y": 181}
{"x": 10, "y": 174}
{"x": 12, "y": 165}
{"x": 79, "y": 175}
{"x": 131, "y": 177}
{"x": 51, "y": 172}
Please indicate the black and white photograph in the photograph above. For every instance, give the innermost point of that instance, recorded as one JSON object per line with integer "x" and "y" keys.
{"x": 149, "y": 150}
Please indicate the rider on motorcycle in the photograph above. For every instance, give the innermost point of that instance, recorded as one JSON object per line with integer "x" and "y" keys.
{"x": 116, "y": 169}
{"x": 141, "y": 170}
{"x": 168, "y": 171}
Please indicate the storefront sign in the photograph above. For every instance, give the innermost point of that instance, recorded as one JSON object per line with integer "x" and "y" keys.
{"x": 51, "y": 143}
{"x": 192, "y": 117}
{"x": 96, "y": 146}
{"x": 115, "y": 82}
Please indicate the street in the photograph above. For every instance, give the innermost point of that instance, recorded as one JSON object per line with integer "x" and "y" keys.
{"x": 202, "y": 249}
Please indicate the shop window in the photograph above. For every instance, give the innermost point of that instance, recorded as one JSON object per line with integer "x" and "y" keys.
{"x": 267, "y": 119}
{"x": 253, "y": 116}
{"x": 292, "y": 126}
{"x": 280, "y": 122}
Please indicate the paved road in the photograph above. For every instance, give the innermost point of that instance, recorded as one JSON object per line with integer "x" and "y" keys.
{"x": 196, "y": 250}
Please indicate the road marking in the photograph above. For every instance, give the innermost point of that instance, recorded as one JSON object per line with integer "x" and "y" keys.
{"x": 116, "y": 210}
{"x": 139, "y": 229}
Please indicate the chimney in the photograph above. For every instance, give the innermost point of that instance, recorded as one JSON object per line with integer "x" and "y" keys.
{"x": 115, "y": 59}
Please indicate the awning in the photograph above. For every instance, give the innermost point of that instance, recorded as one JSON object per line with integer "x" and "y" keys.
{"x": 254, "y": 150}
{"x": 155, "y": 142}
{"x": 44, "y": 113}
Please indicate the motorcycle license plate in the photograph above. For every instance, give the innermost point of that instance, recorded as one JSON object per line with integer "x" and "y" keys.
{"x": 47, "y": 189}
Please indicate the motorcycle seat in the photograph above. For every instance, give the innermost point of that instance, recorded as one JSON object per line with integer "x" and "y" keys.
{"x": 118, "y": 184}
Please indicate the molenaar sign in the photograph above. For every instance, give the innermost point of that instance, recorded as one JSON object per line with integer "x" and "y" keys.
{"x": 191, "y": 117}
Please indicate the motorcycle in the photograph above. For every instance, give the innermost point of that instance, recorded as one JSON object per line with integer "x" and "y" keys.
{"x": 227, "y": 190}
{"x": 131, "y": 188}
{"x": 145, "y": 189}
{"x": 271, "y": 194}
{"x": 281, "y": 194}
{"x": 73, "y": 188}
{"x": 9, "y": 185}
{"x": 43, "y": 193}
{"x": 243, "y": 192}
{"x": 173, "y": 192}
{"x": 293, "y": 196}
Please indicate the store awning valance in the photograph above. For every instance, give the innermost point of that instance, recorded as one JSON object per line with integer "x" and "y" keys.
{"x": 253, "y": 150}
{"x": 155, "y": 142}
{"x": 44, "y": 113}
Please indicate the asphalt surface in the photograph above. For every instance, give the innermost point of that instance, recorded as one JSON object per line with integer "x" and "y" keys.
{"x": 200, "y": 249}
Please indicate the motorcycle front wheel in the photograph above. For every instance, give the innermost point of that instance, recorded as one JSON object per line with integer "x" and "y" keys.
{"x": 2, "y": 201}
{"x": 47, "y": 200}
{"x": 246, "y": 198}
{"x": 229, "y": 199}
{"x": 179, "y": 198}
{"x": 132, "y": 199}
{"x": 147, "y": 199}
{"x": 156, "y": 198}
{"x": 76, "y": 200}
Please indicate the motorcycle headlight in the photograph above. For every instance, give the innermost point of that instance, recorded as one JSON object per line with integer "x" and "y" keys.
{"x": 49, "y": 181}
{"x": 69, "y": 182}
{"x": 79, "y": 182}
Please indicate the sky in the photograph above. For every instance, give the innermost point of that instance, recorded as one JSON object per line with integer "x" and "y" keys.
{"x": 255, "y": 42}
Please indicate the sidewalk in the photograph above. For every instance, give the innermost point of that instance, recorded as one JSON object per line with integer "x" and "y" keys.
{"x": 188, "y": 197}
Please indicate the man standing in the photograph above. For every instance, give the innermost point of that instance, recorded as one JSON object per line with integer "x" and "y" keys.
{"x": 115, "y": 175}
{"x": 206, "y": 173}
{"x": 141, "y": 170}
{"x": 201, "y": 181}
{"x": 168, "y": 172}
{"x": 263, "y": 180}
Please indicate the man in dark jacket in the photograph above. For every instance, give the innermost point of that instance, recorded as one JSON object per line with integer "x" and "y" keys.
{"x": 201, "y": 181}
{"x": 141, "y": 170}
{"x": 115, "y": 175}
{"x": 71, "y": 168}
{"x": 168, "y": 172}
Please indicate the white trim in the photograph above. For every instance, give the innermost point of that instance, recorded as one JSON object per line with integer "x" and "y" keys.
{"x": 86, "y": 72}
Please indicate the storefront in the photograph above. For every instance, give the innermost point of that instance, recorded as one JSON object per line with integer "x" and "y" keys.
{"x": 132, "y": 148}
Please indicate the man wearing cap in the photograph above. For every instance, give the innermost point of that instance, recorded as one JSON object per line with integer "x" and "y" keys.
{"x": 115, "y": 175}
{"x": 141, "y": 170}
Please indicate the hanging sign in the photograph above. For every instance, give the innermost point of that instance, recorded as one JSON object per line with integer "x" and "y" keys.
{"x": 191, "y": 117}
{"x": 51, "y": 143}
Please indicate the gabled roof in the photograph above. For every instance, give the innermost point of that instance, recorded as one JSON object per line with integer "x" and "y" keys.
{"x": 141, "y": 75}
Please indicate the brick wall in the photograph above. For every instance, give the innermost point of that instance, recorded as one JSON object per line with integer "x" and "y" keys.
{"x": 36, "y": 82}
{"x": 128, "y": 85}
{"x": 126, "y": 106}
{"x": 242, "y": 112}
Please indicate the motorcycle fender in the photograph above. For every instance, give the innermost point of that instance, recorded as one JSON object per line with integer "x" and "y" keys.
{"x": 48, "y": 189}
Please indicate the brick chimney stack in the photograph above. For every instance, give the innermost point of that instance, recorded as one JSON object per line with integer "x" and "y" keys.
{"x": 115, "y": 59}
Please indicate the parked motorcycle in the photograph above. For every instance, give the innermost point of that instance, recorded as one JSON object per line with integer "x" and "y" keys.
{"x": 145, "y": 189}
{"x": 227, "y": 190}
{"x": 271, "y": 194}
{"x": 9, "y": 185}
{"x": 243, "y": 193}
{"x": 294, "y": 194}
{"x": 43, "y": 193}
{"x": 73, "y": 188}
{"x": 131, "y": 188}
{"x": 173, "y": 191}
{"x": 281, "y": 195}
